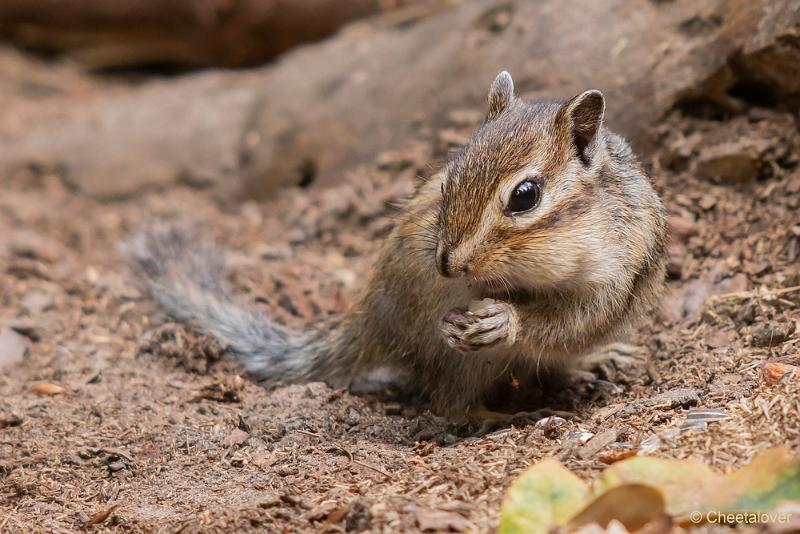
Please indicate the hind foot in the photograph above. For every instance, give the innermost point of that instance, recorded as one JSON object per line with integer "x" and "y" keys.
{"x": 486, "y": 420}
{"x": 610, "y": 364}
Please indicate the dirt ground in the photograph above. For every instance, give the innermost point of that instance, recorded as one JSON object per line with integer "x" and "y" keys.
{"x": 156, "y": 430}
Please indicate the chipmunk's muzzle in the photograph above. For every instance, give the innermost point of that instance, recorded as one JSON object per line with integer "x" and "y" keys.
{"x": 449, "y": 264}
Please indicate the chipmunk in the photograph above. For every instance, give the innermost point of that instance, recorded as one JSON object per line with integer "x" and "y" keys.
{"x": 540, "y": 239}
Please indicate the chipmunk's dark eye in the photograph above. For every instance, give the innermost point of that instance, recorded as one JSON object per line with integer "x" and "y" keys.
{"x": 525, "y": 197}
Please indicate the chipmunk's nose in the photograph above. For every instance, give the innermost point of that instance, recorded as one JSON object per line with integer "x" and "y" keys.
{"x": 446, "y": 266}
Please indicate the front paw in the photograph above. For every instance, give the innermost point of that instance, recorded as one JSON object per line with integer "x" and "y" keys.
{"x": 487, "y": 323}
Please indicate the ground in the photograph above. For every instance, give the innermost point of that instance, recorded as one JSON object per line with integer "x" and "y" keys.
{"x": 155, "y": 428}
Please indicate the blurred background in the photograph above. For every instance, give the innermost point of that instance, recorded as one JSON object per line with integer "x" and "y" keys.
{"x": 289, "y": 130}
{"x": 232, "y": 94}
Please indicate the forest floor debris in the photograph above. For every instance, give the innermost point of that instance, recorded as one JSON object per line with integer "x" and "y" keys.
{"x": 119, "y": 419}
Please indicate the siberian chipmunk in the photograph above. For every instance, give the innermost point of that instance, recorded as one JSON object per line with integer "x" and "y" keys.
{"x": 539, "y": 240}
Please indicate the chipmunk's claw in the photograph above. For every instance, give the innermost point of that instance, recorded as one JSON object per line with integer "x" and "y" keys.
{"x": 486, "y": 326}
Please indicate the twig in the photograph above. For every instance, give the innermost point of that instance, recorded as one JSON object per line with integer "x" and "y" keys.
{"x": 362, "y": 464}
{"x": 739, "y": 295}
{"x": 376, "y": 469}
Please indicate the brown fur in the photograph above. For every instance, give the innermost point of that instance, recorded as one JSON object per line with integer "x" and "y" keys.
{"x": 614, "y": 204}
{"x": 565, "y": 276}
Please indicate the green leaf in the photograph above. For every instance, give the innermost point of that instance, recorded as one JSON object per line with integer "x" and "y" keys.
{"x": 638, "y": 491}
{"x": 689, "y": 486}
{"x": 546, "y": 495}
{"x": 771, "y": 478}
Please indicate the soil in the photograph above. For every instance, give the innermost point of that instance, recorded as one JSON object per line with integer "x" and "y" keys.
{"x": 115, "y": 419}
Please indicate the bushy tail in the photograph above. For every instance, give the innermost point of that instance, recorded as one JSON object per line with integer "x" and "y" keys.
{"x": 186, "y": 277}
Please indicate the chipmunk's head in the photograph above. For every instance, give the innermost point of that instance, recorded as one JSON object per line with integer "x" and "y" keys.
{"x": 520, "y": 201}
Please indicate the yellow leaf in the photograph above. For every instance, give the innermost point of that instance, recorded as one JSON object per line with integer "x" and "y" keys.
{"x": 546, "y": 495}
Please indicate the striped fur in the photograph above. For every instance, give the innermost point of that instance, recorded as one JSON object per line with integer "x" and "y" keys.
{"x": 569, "y": 274}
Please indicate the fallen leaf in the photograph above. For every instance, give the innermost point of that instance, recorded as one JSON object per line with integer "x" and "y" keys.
{"x": 770, "y": 479}
{"x": 546, "y": 495}
{"x": 677, "y": 479}
{"x": 690, "y": 486}
{"x": 46, "y": 388}
{"x": 633, "y": 505}
{"x": 645, "y": 494}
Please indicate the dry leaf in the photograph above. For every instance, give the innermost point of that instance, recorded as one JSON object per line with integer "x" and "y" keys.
{"x": 102, "y": 515}
{"x": 646, "y": 494}
{"x": 689, "y": 486}
{"x": 633, "y": 505}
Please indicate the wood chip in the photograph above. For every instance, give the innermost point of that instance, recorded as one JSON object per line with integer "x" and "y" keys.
{"x": 616, "y": 455}
{"x": 674, "y": 398}
{"x": 237, "y": 437}
{"x": 46, "y": 388}
{"x": 100, "y": 516}
{"x": 597, "y": 443}
{"x": 9, "y": 420}
{"x": 440, "y": 520}
{"x": 774, "y": 372}
{"x": 221, "y": 392}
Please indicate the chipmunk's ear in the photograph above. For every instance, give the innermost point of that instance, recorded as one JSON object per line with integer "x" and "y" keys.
{"x": 582, "y": 116}
{"x": 501, "y": 94}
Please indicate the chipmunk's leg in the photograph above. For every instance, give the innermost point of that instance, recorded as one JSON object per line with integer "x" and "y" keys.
{"x": 604, "y": 364}
{"x": 621, "y": 355}
{"x": 486, "y": 420}
{"x": 486, "y": 324}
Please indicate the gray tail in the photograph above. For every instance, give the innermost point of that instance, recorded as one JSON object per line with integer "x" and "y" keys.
{"x": 185, "y": 276}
